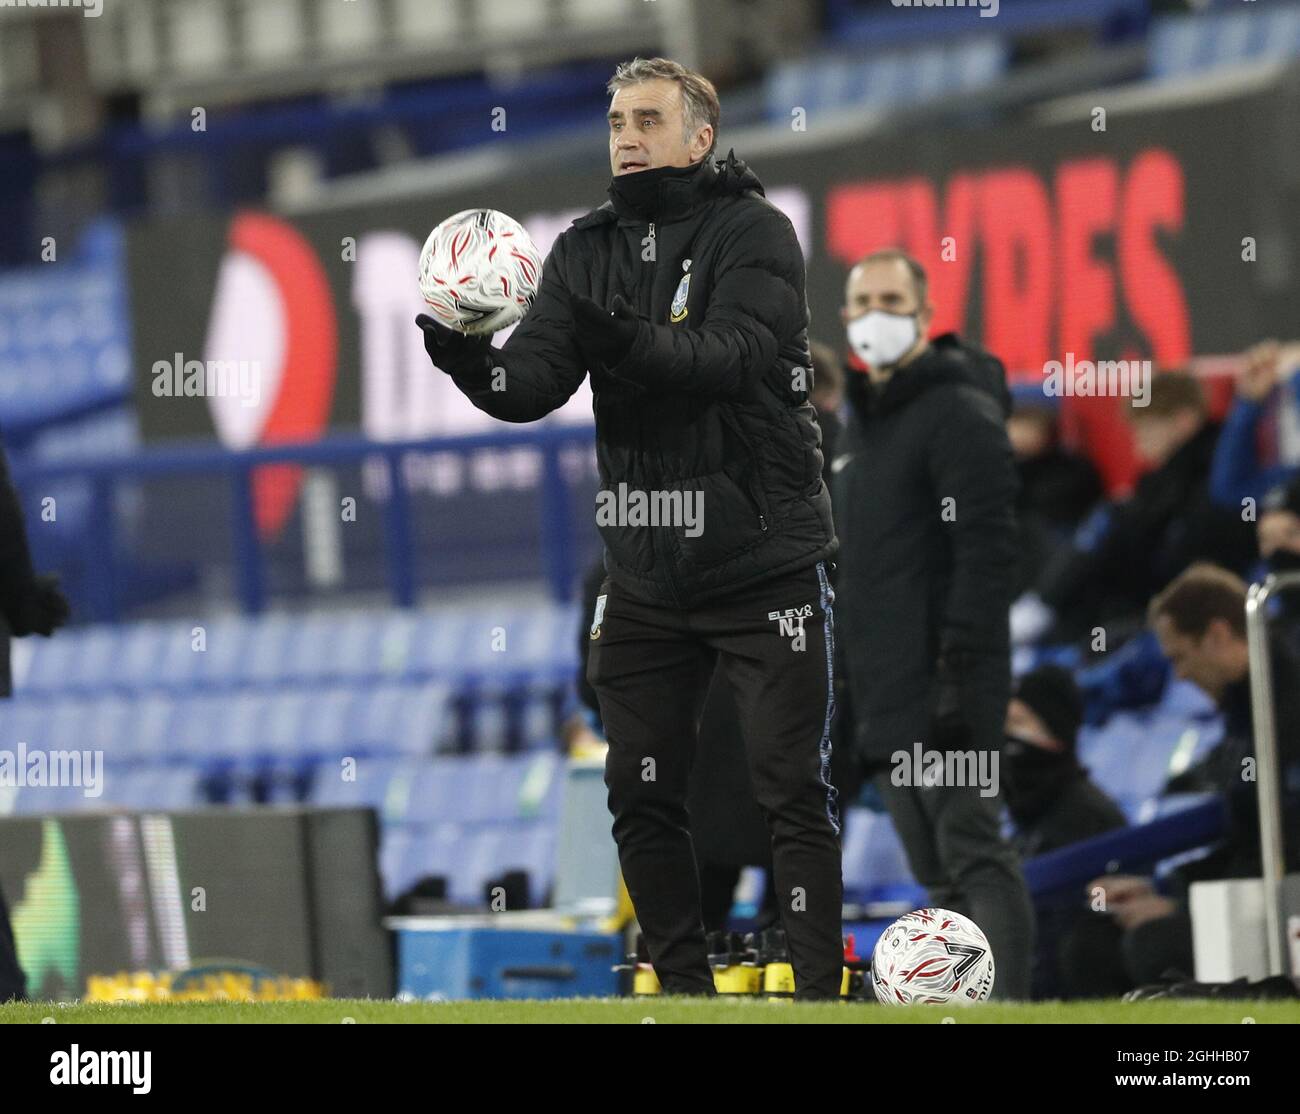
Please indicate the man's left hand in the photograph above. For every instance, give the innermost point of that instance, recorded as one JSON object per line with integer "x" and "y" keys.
{"x": 604, "y": 335}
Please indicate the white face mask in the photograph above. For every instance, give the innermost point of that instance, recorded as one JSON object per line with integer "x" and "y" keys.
{"x": 882, "y": 339}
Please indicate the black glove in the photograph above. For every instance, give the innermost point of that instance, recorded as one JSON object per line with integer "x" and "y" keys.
{"x": 949, "y": 729}
{"x": 604, "y": 335}
{"x": 41, "y": 609}
{"x": 451, "y": 351}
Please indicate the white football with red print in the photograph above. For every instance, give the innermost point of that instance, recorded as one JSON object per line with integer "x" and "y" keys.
{"x": 479, "y": 271}
{"x": 932, "y": 956}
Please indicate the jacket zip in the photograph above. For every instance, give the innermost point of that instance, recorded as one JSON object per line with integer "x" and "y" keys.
{"x": 654, "y": 258}
{"x": 753, "y": 481}
{"x": 649, "y": 302}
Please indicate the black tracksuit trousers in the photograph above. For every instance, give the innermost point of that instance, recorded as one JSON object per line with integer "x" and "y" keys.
{"x": 650, "y": 667}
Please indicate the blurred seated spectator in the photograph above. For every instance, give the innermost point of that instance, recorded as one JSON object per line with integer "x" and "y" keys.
{"x": 1200, "y": 622}
{"x": 1057, "y": 489}
{"x": 1048, "y": 793}
{"x": 1238, "y": 473}
{"x": 1050, "y": 797}
{"x": 1127, "y": 551}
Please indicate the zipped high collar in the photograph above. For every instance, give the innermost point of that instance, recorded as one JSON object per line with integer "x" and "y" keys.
{"x": 680, "y": 195}
{"x": 658, "y": 194}
{"x": 946, "y": 360}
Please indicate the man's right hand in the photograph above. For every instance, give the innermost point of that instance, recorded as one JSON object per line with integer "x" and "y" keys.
{"x": 451, "y": 351}
{"x": 1261, "y": 371}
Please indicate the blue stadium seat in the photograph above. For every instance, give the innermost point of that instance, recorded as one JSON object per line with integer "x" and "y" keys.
{"x": 26, "y": 722}
{"x": 488, "y": 715}
{"x": 95, "y": 666}
{"x": 147, "y": 733}
{"x": 1181, "y": 45}
{"x": 395, "y": 642}
{"x": 107, "y": 723}
{"x": 353, "y": 648}
{"x": 441, "y": 791}
{"x": 439, "y": 643}
{"x": 311, "y": 642}
{"x": 197, "y": 727}
{"x": 529, "y": 846}
{"x": 32, "y": 800}
{"x": 63, "y": 335}
{"x": 226, "y": 645}
{"x": 139, "y": 653}
{"x": 397, "y": 865}
{"x": 174, "y": 787}
{"x": 268, "y": 658}
{"x": 281, "y": 732}
{"x": 64, "y": 725}
{"x": 239, "y": 733}
{"x": 539, "y": 727}
{"x": 368, "y": 788}
{"x": 424, "y": 720}
{"x": 266, "y": 707}
{"x": 50, "y": 665}
{"x": 832, "y": 83}
{"x": 179, "y": 664}
{"x": 325, "y": 727}
{"x": 440, "y": 849}
{"x": 874, "y": 860}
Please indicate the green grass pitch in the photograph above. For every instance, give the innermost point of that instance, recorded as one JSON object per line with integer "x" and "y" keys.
{"x": 628, "y": 1011}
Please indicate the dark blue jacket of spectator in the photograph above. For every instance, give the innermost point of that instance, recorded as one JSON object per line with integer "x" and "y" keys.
{"x": 1236, "y": 472}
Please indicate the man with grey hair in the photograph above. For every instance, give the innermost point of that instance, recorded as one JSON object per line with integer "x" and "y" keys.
{"x": 683, "y": 298}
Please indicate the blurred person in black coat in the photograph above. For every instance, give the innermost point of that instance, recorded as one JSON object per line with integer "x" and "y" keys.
{"x": 29, "y": 604}
{"x": 924, "y": 499}
{"x": 1057, "y": 489}
{"x": 1129, "y": 550}
{"x": 1050, "y": 797}
{"x": 1047, "y": 791}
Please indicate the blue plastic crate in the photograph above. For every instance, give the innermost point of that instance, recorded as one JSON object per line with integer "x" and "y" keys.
{"x": 435, "y": 958}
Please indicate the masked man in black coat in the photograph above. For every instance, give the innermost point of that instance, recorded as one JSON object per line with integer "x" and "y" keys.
{"x": 925, "y": 489}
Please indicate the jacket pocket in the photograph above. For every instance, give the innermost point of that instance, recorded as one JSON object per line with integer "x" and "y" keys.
{"x": 726, "y": 516}
{"x": 752, "y": 472}
{"x": 630, "y": 547}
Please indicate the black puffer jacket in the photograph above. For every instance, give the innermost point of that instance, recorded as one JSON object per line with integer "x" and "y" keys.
{"x": 709, "y": 399}
{"x": 922, "y": 579}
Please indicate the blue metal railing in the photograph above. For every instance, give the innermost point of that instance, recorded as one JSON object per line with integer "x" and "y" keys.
{"x": 103, "y": 477}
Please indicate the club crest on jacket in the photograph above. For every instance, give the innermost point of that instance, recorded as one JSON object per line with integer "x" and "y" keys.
{"x": 678, "y": 309}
